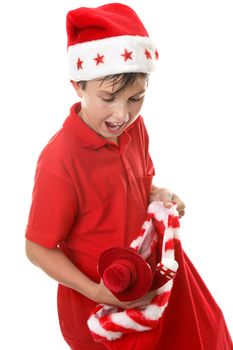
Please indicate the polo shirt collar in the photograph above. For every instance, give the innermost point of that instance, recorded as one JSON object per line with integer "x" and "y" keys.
{"x": 83, "y": 134}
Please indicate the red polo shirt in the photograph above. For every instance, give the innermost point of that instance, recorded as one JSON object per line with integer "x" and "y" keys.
{"x": 89, "y": 194}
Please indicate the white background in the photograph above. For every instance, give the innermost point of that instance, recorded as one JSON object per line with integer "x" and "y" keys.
{"x": 188, "y": 112}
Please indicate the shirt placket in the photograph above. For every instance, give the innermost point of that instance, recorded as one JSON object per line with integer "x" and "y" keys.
{"x": 126, "y": 165}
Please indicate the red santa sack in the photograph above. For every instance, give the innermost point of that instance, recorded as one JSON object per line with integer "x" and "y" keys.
{"x": 192, "y": 319}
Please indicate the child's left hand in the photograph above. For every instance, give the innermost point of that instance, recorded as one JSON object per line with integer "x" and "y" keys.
{"x": 168, "y": 198}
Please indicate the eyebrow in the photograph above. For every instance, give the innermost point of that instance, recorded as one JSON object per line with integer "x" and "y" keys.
{"x": 113, "y": 93}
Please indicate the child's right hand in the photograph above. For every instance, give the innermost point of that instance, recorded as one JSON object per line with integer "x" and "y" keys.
{"x": 102, "y": 295}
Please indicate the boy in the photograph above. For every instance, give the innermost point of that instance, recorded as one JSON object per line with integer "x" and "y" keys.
{"x": 93, "y": 181}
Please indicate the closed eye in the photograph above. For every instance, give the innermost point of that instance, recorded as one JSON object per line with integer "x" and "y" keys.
{"x": 134, "y": 99}
{"x": 131, "y": 99}
{"x": 108, "y": 99}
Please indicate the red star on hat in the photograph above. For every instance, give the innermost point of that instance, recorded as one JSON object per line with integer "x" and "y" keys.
{"x": 79, "y": 64}
{"x": 99, "y": 59}
{"x": 127, "y": 55}
{"x": 148, "y": 54}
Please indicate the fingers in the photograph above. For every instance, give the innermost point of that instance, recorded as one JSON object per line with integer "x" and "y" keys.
{"x": 181, "y": 213}
{"x": 166, "y": 198}
{"x": 106, "y": 297}
{"x": 180, "y": 205}
{"x": 143, "y": 301}
{"x": 169, "y": 198}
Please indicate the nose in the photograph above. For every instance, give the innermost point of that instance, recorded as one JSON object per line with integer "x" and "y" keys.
{"x": 121, "y": 113}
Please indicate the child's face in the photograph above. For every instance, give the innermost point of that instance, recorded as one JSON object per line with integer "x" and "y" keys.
{"x": 110, "y": 114}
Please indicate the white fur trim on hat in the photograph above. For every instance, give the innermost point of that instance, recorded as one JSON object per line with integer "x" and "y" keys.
{"x": 98, "y": 58}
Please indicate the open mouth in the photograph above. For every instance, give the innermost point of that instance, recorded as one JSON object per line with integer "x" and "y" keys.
{"x": 115, "y": 127}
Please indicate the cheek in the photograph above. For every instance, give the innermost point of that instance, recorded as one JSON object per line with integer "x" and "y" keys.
{"x": 104, "y": 109}
{"x": 99, "y": 112}
{"x": 97, "y": 105}
{"x": 91, "y": 106}
{"x": 135, "y": 108}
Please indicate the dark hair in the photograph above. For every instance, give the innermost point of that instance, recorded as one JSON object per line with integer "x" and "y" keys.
{"x": 122, "y": 80}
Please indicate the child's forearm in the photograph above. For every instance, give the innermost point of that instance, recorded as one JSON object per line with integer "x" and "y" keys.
{"x": 55, "y": 264}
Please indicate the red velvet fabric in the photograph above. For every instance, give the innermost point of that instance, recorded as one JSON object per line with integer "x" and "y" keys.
{"x": 110, "y": 20}
{"x": 192, "y": 320}
{"x": 125, "y": 273}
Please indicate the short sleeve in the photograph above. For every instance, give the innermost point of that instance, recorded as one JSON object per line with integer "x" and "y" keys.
{"x": 53, "y": 209}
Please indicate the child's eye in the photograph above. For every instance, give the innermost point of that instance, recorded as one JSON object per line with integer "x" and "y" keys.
{"x": 108, "y": 99}
{"x": 136, "y": 99}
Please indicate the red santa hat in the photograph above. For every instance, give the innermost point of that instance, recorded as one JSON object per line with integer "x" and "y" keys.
{"x": 109, "y": 39}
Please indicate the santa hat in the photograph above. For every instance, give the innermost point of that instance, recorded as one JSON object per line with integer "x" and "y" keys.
{"x": 106, "y": 40}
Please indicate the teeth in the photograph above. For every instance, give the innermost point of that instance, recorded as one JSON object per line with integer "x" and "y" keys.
{"x": 116, "y": 124}
{"x": 114, "y": 127}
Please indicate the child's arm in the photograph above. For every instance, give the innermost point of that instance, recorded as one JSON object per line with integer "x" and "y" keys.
{"x": 55, "y": 264}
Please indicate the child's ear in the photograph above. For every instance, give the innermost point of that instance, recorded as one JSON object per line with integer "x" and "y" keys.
{"x": 77, "y": 88}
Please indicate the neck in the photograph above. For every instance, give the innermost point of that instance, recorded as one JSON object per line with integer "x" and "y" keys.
{"x": 113, "y": 139}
